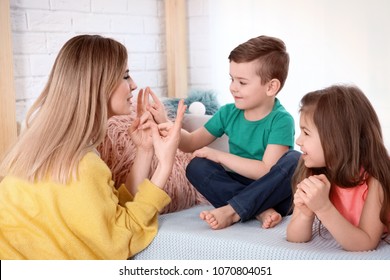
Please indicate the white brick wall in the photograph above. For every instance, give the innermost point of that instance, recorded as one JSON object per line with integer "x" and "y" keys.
{"x": 41, "y": 27}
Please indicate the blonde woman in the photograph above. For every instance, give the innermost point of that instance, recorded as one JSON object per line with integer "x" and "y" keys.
{"x": 57, "y": 198}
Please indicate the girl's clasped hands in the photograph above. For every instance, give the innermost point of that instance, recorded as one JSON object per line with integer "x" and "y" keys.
{"x": 312, "y": 195}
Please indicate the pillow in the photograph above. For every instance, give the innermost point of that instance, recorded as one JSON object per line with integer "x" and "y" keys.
{"x": 118, "y": 151}
{"x": 207, "y": 97}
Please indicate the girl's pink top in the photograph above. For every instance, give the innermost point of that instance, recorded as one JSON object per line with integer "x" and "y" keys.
{"x": 349, "y": 201}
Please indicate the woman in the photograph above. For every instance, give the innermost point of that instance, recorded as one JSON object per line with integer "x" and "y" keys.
{"x": 57, "y": 198}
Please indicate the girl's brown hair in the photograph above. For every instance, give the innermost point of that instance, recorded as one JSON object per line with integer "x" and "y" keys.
{"x": 351, "y": 138}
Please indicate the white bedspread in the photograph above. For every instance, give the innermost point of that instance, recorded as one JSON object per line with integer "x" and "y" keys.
{"x": 183, "y": 236}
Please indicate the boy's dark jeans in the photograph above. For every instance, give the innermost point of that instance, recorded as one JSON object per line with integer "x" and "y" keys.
{"x": 247, "y": 197}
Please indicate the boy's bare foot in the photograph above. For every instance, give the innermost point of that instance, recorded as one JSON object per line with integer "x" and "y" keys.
{"x": 269, "y": 218}
{"x": 221, "y": 217}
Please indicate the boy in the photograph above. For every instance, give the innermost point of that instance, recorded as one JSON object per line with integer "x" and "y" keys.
{"x": 253, "y": 180}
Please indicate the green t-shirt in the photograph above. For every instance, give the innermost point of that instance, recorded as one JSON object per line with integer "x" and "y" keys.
{"x": 249, "y": 139}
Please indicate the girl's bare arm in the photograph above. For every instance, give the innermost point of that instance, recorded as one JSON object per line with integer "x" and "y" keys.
{"x": 367, "y": 234}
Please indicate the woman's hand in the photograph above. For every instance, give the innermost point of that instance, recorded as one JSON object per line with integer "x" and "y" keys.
{"x": 139, "y": 130}
{"x": 141, "y": 135}
{"x": 165, "y": 147}
{"x": 157, "y": 108}
{"x": 164, "y": 128}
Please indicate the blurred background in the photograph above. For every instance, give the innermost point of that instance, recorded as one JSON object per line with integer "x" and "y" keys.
{"x": 329, "y": 42}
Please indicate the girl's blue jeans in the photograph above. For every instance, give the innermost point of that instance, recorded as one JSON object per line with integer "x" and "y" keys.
{"x": 247, "y": 197}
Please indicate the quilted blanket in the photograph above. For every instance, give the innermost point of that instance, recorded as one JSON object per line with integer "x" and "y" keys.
{"x": 184, "y": 236}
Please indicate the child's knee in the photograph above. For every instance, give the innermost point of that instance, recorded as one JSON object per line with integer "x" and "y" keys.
{"x": 195, "y": 166}
{"x": 192, "y": 164}
{"x": 293, "y": 155}
{"x": 291, "y": 159}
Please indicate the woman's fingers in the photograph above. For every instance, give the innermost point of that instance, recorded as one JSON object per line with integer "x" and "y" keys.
{"x": 181, "y": 108}
{"x": 140, "y": 98}
{"x": 146, "y": 98}
{"x": 154, "y": 96}
{"x": 134, "y": 125}
{"x": 144, "y": 120}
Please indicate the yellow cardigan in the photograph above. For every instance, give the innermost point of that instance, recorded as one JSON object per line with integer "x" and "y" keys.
{"x": 85, "y": 219}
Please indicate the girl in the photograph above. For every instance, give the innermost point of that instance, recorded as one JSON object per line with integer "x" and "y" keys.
{"x": 343, "y": 175}
{"x": 57, "y": 199}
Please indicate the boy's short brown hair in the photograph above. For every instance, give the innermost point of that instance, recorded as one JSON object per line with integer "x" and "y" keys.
{"x": 271, "y": 54}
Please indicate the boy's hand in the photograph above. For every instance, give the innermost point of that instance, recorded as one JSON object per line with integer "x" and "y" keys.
{"x": 206, "y": 152}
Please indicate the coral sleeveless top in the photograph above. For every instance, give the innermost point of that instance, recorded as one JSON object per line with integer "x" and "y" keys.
{"x": 349, "y": 201}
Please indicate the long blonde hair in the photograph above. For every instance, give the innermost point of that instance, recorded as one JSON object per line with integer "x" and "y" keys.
{"x": 69, "y": 117}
